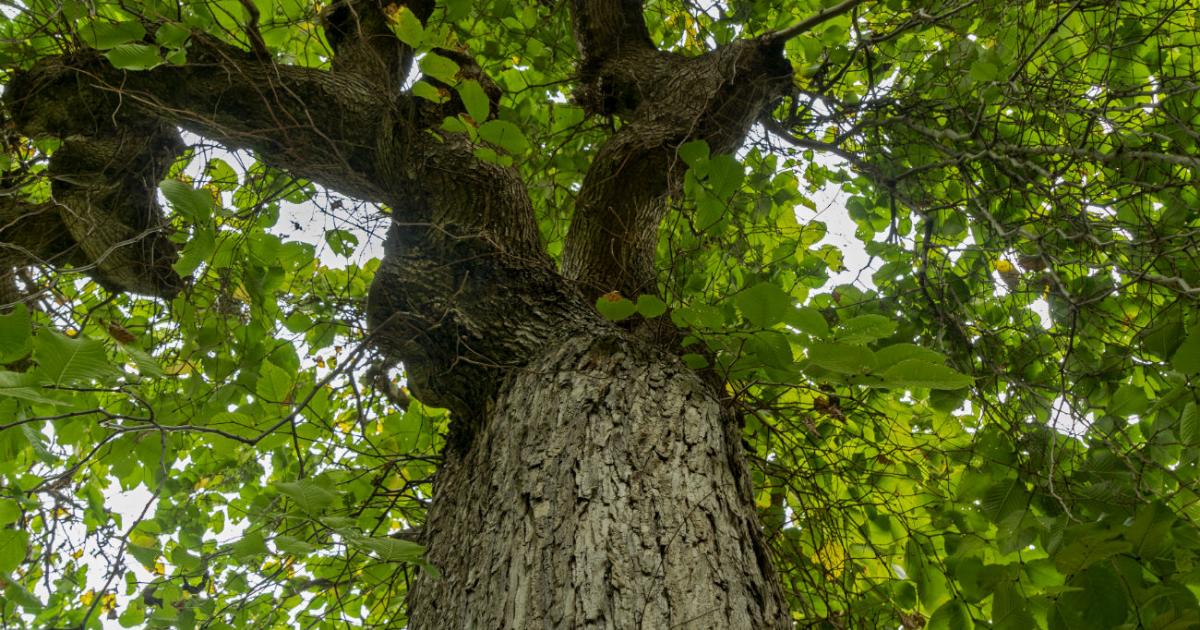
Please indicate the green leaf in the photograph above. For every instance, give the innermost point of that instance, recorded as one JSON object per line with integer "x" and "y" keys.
{"x": 146, "y": 365}
{"x": 912, "y": 373}
{"x": 407, "y": 27}
{"x": 982, "y": 71}
{"x": 457, "y": 9}
{"x": 764, "y": 304}
{"x": 865, "y": 329}
{"x": 62, "y": 360}
{"x": 842, "y": 358}
{"x": 895, "y": 353}
{"x": 1186, "y": 359}
{"x": 1189, "y": 426}
{"x": 505, "y": 135}
{"x": 274, "y": 383}
{"x": 25, "y": 387}
{"x": 105, "y": 35}
{"x": 770, "y": 349}
{"x": 650, "y": 306}
{"x": 614, "y": 307}
{"x": 308, "y": 496}
{"x": 196, "y": 205}
{"x": 725, "y": 175}
{"x": 134, "y": 56}
{"x": 1128, "y": 400}
{"x": 425, "y": 90}
{"x": 16, "y": 338}
{"x": 953, "y": 615}
{"x": 172, "y": 35}
{"x": 293, "y": 546}
{"x": 694, "y": 152}
{"x": 1097, "y": 600}
{"x": 438, "y": 67}
{"x": 694, "y": 361}
{"x": 389, "y": 549}
{"x": 1010, "y": 610}
{"x": 1083, "y": 553}
{"x": 13, "y": 547}
{"x": 250, "y": 546}
{"x": 342, "y": 242}
{"x": 807, "y": 320}
{"x": 10, "y": 512}
{"x": 197, "y": 251}
{"x": 474, "y": 99}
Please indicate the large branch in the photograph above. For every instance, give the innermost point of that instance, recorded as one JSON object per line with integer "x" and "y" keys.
{"x": 315, "y": 124}
{"x": 465, "y": 292}
{"x": 360, "y": 33}
{"x": 666, "y": 101}
{"x": 617, "y": 60}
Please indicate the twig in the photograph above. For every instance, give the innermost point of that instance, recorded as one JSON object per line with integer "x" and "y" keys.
{"x": 256, "y": 39}
{"x": 814, "y": 20}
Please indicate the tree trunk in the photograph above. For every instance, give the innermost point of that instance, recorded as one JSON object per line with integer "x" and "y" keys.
{"x": 591, "y": 479}
{"x": 605, "y": 489}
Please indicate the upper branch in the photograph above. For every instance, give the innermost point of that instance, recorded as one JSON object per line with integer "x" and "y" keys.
{"x": 606, "y": 29}
{"x": 618, "y": 62}
{"x": 363, "y": 42}
{"x": 666, "y": 100}
{"x": 813, "y": 21}
{"x": 465, "y": 290}
{"x": 317, "y": 125}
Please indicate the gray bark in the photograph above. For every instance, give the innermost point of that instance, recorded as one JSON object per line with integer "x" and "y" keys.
{"x": 591, "y": 479}
{"x": 606, "y": 490}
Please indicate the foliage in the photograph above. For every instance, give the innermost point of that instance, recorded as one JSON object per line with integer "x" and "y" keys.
{"x": 998, "y": 428}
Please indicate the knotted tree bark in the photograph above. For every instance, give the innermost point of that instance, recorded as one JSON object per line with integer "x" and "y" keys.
{"x": 592, "y": 480}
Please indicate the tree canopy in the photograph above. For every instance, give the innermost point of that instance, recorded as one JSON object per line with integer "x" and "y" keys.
{"x": 996, "y": 423}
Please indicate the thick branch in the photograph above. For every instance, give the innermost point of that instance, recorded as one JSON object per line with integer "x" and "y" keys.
{"x": 465, "y": 293}
{"x": 607, "y": 29}
{"x": 106, "y": 190}
{"x": 618, "y": 62}
{"x": 317, "y": 125}
{"x": 363, "y": 42}
{"x": 33, "y": 233}
{"x": 716, "y": 98}
{"x": 103, "y": 217}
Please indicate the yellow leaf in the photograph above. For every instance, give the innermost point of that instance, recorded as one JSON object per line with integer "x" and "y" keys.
{"x": 160, "y": 568}
{"x": 1003, "y": 266}
{"x": 179, "y": 369}
{"x": 832, "y": 556}
{"x": 394, "y": 482}
{"x": 214, "y": 192}
{"x": 77, "y": 554}
{"x": 87, "y": 598}
{"x": 142, "y": 539}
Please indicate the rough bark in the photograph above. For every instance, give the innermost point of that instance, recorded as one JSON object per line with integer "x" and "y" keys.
{"x": 605, "y": 491}
{"x": 665, "y": 100}
{"x": 715, "y": 98}
{"x": 591, "y": 480}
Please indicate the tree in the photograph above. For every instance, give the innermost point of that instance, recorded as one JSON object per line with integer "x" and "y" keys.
{"x": 599, "y": 375}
